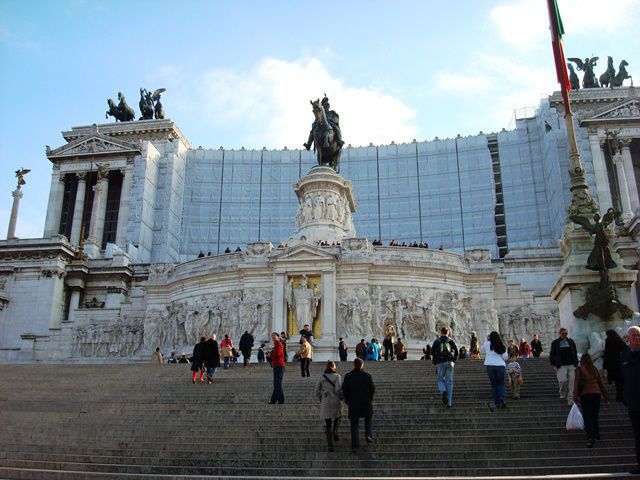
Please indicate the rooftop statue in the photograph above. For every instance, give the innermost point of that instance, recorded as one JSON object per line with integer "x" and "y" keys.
{"x": 573, "y": 78}
{"x": 589, "y": 79}
{"x": 122, "y": 112}
{"x": 622, "y": 75}
{"x": 607, "y": 77}
{"x": 150, "y": 104}
{"x": 325, "y": 134}
{"x": 20, "y": 176}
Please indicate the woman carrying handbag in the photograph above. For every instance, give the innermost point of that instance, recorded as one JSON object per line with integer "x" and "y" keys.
{"x": 329, "y": 392}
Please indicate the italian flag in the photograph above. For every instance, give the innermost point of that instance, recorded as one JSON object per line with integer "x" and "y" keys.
{"x": 557, "y": 30}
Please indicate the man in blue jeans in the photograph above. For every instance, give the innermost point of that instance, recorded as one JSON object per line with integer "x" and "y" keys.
{"x": 444, "y": 354}
{"x": 358, "y": 390}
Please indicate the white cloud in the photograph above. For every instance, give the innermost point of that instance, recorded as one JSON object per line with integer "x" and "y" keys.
{"x": 524, "y": 23}
{"x": 270, "y": 104}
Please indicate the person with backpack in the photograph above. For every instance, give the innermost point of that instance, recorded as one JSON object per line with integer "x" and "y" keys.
{"x": 444, "y": 355}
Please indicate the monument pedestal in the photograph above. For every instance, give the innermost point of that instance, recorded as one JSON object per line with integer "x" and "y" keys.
{"x": 325, "y": 206}
{"x": 574, "y": 281}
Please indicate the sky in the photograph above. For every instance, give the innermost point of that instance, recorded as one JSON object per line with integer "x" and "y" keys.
{"x": 242, "y": 73}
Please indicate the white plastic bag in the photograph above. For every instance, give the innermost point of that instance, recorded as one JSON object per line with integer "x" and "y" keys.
{"x": 575, "y": 420}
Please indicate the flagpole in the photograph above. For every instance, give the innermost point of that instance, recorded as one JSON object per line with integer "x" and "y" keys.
{"x": 581, "y": 202}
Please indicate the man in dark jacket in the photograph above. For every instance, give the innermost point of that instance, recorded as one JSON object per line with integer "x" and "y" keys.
{"x": 211, "y": 358}
{"x": 358, "y": 390}
{"x": 342, "y": 350}
{"x": 361, "y": 349}
{"x": 197, "y": 364}
{"x": 536, "y": 346}
{"x": 564, "y": 360}
{"x": 444, "y": 355}
{"x": 246, "y": 344}
{"x": 630, "y": 362}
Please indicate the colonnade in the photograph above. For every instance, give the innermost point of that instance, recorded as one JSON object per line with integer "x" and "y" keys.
{"x": 626, "y": 178}
{"x": 95, "y": 233}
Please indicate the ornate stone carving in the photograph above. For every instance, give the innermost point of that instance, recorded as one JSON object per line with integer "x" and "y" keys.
{"x": 120, "y": 339}
{"x": 181, "y": 324}
{"x": 416, "y": 313}
{"x": 526, "y": 321}
{"x": 94, "y": 303}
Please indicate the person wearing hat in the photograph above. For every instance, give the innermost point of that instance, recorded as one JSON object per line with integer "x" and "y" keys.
{"x": 334, "y": 121}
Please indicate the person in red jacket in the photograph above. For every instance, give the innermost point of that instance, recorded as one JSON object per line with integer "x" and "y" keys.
{"x": 524, "y": 349}
{"x": 277, "y": 364}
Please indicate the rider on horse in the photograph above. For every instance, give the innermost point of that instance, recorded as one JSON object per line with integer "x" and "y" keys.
{"x": 334, "y": 121}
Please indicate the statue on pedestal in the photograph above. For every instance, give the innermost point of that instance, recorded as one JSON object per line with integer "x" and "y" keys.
{"x": 325, "y": 134}
{"x": 304, "y": 301}
{"x": 602, "y": 298}
{"x": 20, "y": 176}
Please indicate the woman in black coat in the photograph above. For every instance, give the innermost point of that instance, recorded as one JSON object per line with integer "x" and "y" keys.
{"x": 197, "y": 362}
{"x": 211, "y": 358}
{"x": 358, "y": 390}
{"x": 613, "y": 347}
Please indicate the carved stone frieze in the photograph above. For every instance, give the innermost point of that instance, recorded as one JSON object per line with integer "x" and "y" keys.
{"x": 122, "y": 338}
{"x": 417, "y": 313}
{"x": 183, "y": 322}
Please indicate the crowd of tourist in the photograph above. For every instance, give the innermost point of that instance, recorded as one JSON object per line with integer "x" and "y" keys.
{"x": 579, "y": 380}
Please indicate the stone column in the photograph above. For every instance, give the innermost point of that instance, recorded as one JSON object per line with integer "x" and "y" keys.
{"x": 123, "y": 208}
{"x": 17, "y": 195}
{"x": 74, "y": 304}
{"x": 600, "y": 173}
{"x": 78, "y": 209}
{"x": 329, "y": 305}
{"x": 632, "y": 188}
{"x": 102, "y": 212}
{"x": 625, "y": 201}
{"x": 54, "y": 208}
{"x": 278, "y": 322}
{"x": 91, "y": 246}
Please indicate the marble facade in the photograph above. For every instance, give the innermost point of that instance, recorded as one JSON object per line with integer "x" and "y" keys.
{"x": 115, "y": 274}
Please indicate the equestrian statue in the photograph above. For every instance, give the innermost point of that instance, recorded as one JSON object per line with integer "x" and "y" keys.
{"x": 325, "y": 134}
{"x": 607, "y": 77}
{"x": 122, "y": 112}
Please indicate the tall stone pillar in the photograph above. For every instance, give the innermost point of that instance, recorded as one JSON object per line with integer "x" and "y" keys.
{"x": 102, "y": 212}
{"x": 91, "y": 246}
{"x": 278, "y": 322}
{"x": 600, "y": 172}
{"x": 74, "y": 304}
{"x": 54, "y": 208}
{"x": 627, "y": 162}
{"x": 625, "y": 200}
{"x": 17, "y": 195}
{"x": 329, "y": 305}
{"x": 123, "y": 209}
{"x": 78, "y": 209}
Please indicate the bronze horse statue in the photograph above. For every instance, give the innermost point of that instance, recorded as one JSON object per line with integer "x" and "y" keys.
{"x": 122, "y": 112}
{"x": 328, "y": 155}
{"x": 622, "y": 75}
{"x": 607, "y": 77}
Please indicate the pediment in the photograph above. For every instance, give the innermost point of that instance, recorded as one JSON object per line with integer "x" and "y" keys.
{"x": 622, "y": 111}
{"x": 92, "y": 145}
{"x": 305, "y": 252}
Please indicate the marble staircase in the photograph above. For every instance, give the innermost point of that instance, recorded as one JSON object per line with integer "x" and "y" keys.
{"x": 139, "y": 421}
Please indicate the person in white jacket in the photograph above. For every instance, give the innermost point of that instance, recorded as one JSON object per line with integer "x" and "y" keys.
{"x": 495, "y": 356}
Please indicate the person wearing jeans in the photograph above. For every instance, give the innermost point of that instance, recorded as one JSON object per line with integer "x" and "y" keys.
{"x": 445, "y": 353}
{"x": 305, "y": 353}
{"x": 587, "y": 390}
{"x": 358, "y": 390}
{"x": 495, "y": 356}
{"x": 277, "y": 364}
